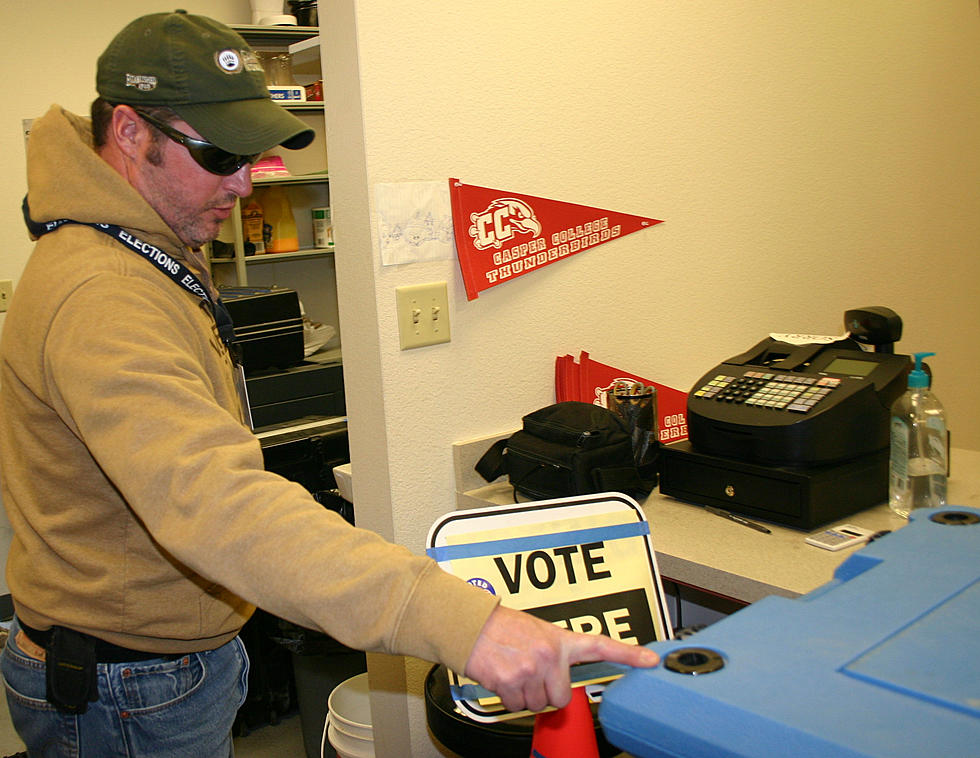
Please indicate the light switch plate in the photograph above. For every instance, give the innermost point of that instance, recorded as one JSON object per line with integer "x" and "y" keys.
{"x": 423, "y": 314}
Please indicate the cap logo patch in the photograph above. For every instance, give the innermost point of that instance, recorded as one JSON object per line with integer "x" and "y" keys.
{"x": 141, "y": 82}
{"x": 228, "y": 61}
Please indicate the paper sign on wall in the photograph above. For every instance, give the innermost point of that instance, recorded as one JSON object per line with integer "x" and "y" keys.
{"x": 501, "y": 235}
{"x": 584, "y": 563}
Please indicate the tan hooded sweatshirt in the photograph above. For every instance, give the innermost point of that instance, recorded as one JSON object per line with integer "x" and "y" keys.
{"x": 141, "y": 510}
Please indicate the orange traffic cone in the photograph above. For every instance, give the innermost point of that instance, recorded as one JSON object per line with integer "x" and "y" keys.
{"x": 567, "y": 732}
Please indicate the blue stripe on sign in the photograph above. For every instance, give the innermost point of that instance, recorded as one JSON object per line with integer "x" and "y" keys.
{"x": 580, "y": 672}
{"x": 538, "y": 542}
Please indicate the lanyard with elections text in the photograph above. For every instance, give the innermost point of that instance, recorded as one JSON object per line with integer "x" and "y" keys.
{"x": 173, "y": 268}
{"x": 180, "y": 274}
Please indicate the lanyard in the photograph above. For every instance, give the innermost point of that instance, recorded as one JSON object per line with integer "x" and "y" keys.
{"x": 173, "y": 268}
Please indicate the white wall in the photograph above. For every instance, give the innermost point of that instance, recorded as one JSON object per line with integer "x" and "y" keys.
{"x": 807, "y": 158}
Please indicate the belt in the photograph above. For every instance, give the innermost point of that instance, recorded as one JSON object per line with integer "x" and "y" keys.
{"x": 105, "y": 652}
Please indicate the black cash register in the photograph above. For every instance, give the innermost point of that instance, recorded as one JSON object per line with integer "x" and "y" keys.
{"x": 794, "y": 433}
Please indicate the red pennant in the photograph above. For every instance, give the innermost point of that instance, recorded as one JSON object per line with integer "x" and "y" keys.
{"x": 502, "y": 235}
{"x": 590, "y": 382}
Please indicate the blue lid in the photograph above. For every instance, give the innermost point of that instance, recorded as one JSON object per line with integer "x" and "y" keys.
{"x": 918, "y": 377}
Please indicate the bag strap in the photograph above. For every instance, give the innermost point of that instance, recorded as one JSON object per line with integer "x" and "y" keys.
{"x": 491, "y": 464}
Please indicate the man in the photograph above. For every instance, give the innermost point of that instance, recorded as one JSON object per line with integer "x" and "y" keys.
{"x": 146, "y": 529}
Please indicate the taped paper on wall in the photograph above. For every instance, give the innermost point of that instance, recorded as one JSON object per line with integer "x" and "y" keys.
{"x": 415, "y": 222}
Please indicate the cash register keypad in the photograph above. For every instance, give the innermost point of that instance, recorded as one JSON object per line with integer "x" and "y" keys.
{"x": 761, "y": 389}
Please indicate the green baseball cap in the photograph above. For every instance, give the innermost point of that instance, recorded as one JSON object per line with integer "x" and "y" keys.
{"x": 206, "y": 73}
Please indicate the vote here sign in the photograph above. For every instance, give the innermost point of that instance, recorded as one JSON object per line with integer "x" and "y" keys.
{"x": 584, "y": 563}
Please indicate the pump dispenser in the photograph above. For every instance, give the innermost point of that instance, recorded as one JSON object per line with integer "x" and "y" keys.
{"x": 917, "y": 466}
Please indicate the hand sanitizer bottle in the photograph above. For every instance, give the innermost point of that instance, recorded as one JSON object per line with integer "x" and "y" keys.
{"x": 917, "y": 465}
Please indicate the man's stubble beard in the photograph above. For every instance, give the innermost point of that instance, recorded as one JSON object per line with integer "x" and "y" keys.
{"x": 189, "y": 227}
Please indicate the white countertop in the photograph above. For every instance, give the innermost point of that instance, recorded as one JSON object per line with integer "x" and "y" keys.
{"x": 699, "y": 549}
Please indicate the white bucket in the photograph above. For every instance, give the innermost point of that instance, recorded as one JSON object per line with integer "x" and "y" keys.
{"x": 349, "y": 719}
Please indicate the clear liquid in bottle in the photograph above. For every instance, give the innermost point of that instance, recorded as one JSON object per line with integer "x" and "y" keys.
{"x": 917, "y": 466}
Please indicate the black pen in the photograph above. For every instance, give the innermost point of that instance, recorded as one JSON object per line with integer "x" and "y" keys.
{"x": 737, "y": 519}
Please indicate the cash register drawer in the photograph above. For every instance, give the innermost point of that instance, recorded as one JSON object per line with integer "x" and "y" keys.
{"x": 801, "y": 497}
{"x": 729, "y": 487}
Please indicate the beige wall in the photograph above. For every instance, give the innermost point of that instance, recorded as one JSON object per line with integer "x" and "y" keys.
{"x": 806, "y": 158}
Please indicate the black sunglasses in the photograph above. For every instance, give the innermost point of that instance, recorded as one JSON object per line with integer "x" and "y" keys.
{"x": 210, "y": 157}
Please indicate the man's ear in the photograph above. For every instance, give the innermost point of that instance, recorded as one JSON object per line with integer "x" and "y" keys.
{"x": 128, "y": 132}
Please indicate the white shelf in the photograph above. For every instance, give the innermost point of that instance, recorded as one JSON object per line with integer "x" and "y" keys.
{"x": 314, "y": 252}
{"x": 306, "y": 106}
{"x": 256, "y": 33}
{"x": 329, "y": 355}
{"x": 305, "y": 50}
{"x": 265, "y": 181}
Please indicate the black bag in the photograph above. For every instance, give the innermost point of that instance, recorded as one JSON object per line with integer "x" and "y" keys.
{"x": 566, "y": 449}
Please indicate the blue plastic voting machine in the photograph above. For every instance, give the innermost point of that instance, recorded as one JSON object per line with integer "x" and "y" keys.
{"x": 883, "y": 660}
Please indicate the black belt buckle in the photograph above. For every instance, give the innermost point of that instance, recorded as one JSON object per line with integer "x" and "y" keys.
{"x": 72, "y": 678}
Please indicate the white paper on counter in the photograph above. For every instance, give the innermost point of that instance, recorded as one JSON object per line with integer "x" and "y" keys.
{"x": 415, "y": 222}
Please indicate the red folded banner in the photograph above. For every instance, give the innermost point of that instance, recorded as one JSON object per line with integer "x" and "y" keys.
{"x": 590, "y": 382}
{"x": 501, "y": 235}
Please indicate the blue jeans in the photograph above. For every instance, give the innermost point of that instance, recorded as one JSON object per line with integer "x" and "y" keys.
{"x": 159, "y": 708}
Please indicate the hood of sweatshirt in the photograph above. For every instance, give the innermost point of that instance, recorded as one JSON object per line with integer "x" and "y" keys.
{"x": 68, "y": 179}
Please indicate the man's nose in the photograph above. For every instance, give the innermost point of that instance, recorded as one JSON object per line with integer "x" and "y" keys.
{"x": 241, "y": 181}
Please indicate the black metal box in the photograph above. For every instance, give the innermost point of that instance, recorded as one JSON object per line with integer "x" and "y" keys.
{"x": 268, "y": 325}
{"x": 800, "y": 497}
{"x": 306, "y": 389}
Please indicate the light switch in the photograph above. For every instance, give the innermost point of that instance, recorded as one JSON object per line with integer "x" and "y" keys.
{"x": 423, "y": 314}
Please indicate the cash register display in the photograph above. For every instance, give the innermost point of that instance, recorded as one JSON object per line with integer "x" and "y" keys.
{"x": 850, "y": 367}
